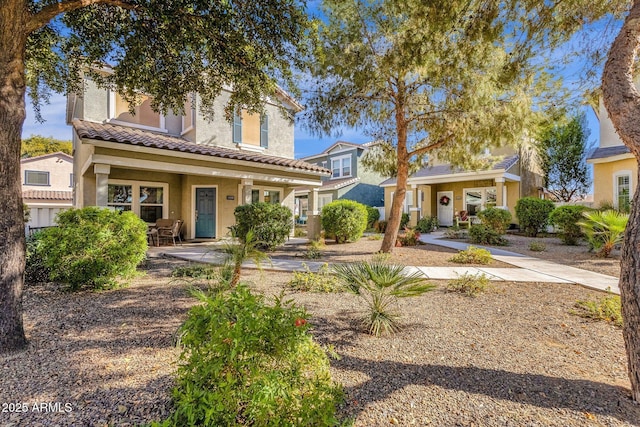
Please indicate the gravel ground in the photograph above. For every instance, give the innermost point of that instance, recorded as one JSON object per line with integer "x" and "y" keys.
{"x": 511, "y": 357}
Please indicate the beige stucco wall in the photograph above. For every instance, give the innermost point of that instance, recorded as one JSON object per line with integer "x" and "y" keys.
{"x": 603, "y": 173}
{"x": 60, "y": 169}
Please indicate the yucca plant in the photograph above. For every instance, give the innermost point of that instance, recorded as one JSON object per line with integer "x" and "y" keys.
{"x": 380, "y": 284}
{"x": 604, "y": 229}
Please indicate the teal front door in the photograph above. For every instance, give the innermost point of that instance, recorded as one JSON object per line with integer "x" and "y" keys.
{"x": 205, "y": 213}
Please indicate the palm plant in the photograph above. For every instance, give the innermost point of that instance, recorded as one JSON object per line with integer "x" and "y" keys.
{"x": 380, "y": 284}
{"x": 239, "y": 252}
{"x": 604, "y": 229}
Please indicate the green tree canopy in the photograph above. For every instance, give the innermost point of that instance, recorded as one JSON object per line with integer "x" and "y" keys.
{"x": 563, "y": 152}
{"x": 37, "y": 145}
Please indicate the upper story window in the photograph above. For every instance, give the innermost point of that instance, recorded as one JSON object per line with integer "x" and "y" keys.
{"x": 251, "y": 130}
{"x": 144, "y": 117}
{"x": 36, "y": 178}
{"x": 622, "y": 195}
{"x": 341, "y": 167}
{"x": 189, "y": 118}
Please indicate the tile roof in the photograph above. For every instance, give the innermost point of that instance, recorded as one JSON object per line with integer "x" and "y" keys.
{"x": 439, "y": 170}
{"x": 601, "y": 153}
{"x": 332, "y": 184}
{"x": 143, "y": 138}
{"x": 47, "y": 195}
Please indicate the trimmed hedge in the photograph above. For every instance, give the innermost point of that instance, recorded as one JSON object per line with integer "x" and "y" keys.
{"x": 344, "y": 220}
{"x": 566, "y": 218}
{"x": 271, "y": 224}
{"x": 533, "y": 214}
{"x": 496, "y": 219}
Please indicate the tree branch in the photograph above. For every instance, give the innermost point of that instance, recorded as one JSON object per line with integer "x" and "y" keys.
{"x": 442, "y": 141}
{"x": 44, "y": 16}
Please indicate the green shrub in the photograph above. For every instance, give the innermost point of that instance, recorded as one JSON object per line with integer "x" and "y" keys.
{"x": 196, "y": 271}
{"x": 607, "y": 308}
{"x": 245, "y": 362}
{"x": 456, "y": 232}
{"x": 299, "y": 232}
{"x": 537, "y": 247}
{"x": 344, "y": 220}
{"x": 483, "y": 235}
{"x": 566, "y": 219}
{"x": 373, "y": 215}
{"x": 94, "y": 247}
{"x": 472, "y": 255}
{"x": 404, "y": 220}
{"x": 533, "y": 214}
{"x": 271, "y": 224}
{"x": 35, "y": 271}
{"x": 427, "y": 224}
{"x": 604, "y": 230}
{"x": 308, "y": 281}
{"x": 379, "y": 285}
{"x": 410, "y": 237}
{"x": 496, "y": 219}
{"x": 469, "y": 284}
{"x": 315, "y": 249}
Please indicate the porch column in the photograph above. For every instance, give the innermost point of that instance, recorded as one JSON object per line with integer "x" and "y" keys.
{"x": 313, "y": 216}
{"x": 414, "y": 211}
{"x": 247, "y": 187}
{"x": 501, "y": 200}
{"x": 102, "y": 183}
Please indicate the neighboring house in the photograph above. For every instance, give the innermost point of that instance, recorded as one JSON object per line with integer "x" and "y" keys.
{"x": 183, "y": 167}
{"x": 615, "y": 169}
{"x": 348, "y": 180}
{"x": 47, "y": 187}
{"x": 443, "y": 191}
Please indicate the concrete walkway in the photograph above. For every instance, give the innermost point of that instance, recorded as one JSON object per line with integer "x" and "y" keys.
{"x": 527, "y": 269}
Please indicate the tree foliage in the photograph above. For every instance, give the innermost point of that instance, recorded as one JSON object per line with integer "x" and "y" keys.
{"x": 563, "y": 152}
{"x": 440, "y": 78}
{"x": 38, "y": 145}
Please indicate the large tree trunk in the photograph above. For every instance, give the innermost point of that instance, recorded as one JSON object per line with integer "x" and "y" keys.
{"x": 622, "y": 100}
{"x": 13, "y": 18}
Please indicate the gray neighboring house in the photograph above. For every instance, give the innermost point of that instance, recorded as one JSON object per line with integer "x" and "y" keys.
{"x": 349, "y": 180}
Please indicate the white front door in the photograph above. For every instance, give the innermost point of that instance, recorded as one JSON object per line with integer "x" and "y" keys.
{"x": 445, "y": 212}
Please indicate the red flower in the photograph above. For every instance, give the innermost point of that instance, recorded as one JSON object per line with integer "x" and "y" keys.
{"x": 299, "y": 322}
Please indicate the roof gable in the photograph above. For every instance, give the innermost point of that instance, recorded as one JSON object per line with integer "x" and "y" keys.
{"x": 58, "y": 154}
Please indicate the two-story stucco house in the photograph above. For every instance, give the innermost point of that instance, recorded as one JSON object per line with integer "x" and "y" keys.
{"x": 615, "y": 169}
{"x": 47, "y": 187}
{"x": 183, "y": 167}
{"x": 348, "y": 180}
{"x": 444, "y": 191}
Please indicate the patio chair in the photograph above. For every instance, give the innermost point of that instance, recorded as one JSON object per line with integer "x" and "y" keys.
{"x": 169, "y": 229}
{"x": 463, "y": 219}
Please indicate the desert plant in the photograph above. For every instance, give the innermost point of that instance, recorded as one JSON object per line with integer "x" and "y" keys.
{"x": 93, "y": 247}
{"x": 604, "y": 230}
{"x": 456, "y": 232}
{"x": 427, "y": 224}
{"x": 533, "y": 214}
{"x": 410, "y": 237}
{"x": 373, "y": 215}
{"x": 381, "y": 226}
{"x": 299, "y": 232}
{"x": 245, "y": 362}
{"x": 379, "y": 285}
{"x": 566, "y": 219}
{"x": 483, "y": 235}
{"x": 314, "y": 251}
{"x": 607, "y": 308}
{"x": 469, "y": 284}
{"x": 495, "y": 218}
{"x": 376, "y": 236}
{"x": 308, "y": 281}
{"x": 196, "y": 271}
{"x": 472, "y": 255}
{"x": 271, "y": 224}
{"x": 237, "y": 253}
{"x": 344, "y": 220}
{"x": 35, "y": 271}
{"x": 537, "y": 246}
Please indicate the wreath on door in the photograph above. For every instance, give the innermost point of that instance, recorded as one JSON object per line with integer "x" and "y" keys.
{"x": 444, "y": 201}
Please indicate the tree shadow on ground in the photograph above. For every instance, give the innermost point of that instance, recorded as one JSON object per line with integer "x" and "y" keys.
{"x": 387, "y": 377}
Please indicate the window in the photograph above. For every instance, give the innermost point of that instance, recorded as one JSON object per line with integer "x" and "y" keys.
{"x": 324, "y": 200}
{"x": 250, "y": 130}
{"x": 36, "y": 178}
{"x": 71, "y": 180}
{"x": 341, "y": 167}
{"x": 147, "y": 199}
{"x": 266, "y": 196}
{"x": 477, "y": 199}
{"x": 622, "y": 193}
